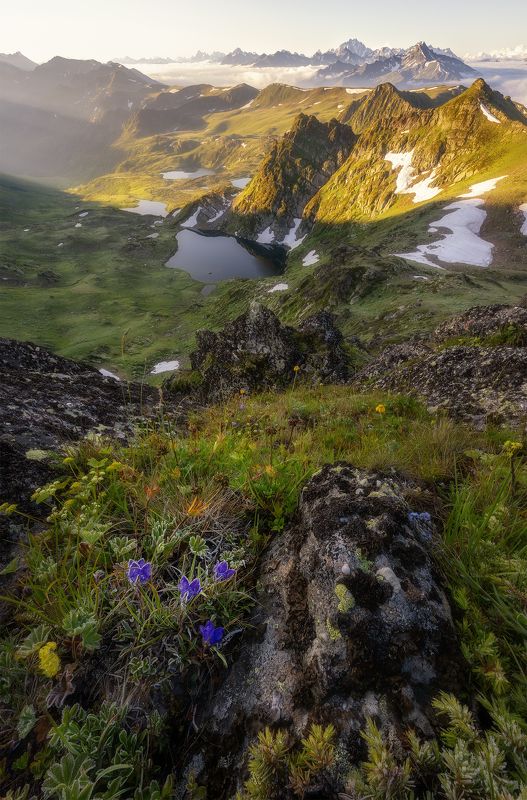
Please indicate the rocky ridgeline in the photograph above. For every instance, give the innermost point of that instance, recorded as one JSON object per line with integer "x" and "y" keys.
{"x": 351, "y": 623}
{"x": 473, "y": 366}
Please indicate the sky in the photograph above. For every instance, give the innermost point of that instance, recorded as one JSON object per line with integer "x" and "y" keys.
{"x": 106, "y": 29}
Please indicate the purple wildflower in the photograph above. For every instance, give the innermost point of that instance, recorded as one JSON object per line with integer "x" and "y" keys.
{"x": 189, "y": 589}
{"x": 222, "y": 571}
{"x": 139, "y": 571}
{"x": 211, "y": 634}
{"x": 415, "y": 517}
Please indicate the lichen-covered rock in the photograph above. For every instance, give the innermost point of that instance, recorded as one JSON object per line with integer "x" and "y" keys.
{"x": 353, "y": 623}
{"x": 257, "y": 352}
{"x": 477, "y": 383}
{"x": 484, "y": 321}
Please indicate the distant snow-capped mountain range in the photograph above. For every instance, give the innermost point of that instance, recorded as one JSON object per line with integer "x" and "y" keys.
{"x": 352, "y": 62}
{"x": 352, "y": 51}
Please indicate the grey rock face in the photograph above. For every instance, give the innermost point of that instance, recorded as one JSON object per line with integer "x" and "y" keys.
{"x": 353, "y": 624}
{"x": 480, "y": 384}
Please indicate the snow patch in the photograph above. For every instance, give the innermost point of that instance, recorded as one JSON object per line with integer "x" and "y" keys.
{"x": 483, "y": 187}
{"x": 84, "y": 214}
{"x": 193, "y": 220}
{"x": 489, "y": 115}
{"x": 462, "y": 243}
{"x": 311, "y": 258}
{"x": 290, "y": 239}
{"x": 280, "y": 287}
{"x": 164, "y": 366}
{"x": 266, "y": 236}
{"x": 422, "y": 190}
{"x": 402, "y": 162}
{"x": 107, "y": 374}
{"x": 78, "y": 224}
{"x": 240, "y": 183}
{"x": 152, "y": 236}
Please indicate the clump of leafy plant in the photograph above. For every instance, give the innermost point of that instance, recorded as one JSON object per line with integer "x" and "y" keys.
{"x": 278, "y": 770}
{"x": 466, "y": 764}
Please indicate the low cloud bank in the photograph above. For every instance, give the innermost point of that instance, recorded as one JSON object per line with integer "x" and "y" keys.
{"x": 509, "y": 77}
{"x": 227, "y": 75}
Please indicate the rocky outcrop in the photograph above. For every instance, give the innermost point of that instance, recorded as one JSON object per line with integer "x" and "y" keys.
{"x": 484, "y": 321}
{"x": 481, "y": 379}
{"x": 353, "y": 623}
{"x": 257, "y": 352}
{"x": 480, "y": 384}
{"x": 47, "y": 401}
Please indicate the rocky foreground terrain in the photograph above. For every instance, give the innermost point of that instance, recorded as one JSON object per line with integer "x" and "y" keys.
{"x": 253, "y": 583}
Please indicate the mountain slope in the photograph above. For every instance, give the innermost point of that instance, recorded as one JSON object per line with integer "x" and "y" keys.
{"x": 453, "y": 141}
{"x": 187, "y": 108}
{"x": 18, "y": 60}
{"x": 293, "y": 171}
{"x": 60, "y": 120}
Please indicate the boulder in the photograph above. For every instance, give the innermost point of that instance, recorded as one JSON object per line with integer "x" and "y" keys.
{"x": 257, "y": 352}
{"x": 352, "y": 623}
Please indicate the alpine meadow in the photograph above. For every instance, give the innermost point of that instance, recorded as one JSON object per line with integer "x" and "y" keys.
{"x": 263, "y": 401}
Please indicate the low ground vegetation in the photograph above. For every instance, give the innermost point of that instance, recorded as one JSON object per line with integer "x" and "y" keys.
{"x": 134, "y": 595}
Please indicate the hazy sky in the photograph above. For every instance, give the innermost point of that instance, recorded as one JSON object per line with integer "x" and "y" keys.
{"x": 107, "y": 29}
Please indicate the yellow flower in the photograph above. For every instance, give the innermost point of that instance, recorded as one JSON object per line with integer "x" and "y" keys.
{"x": 270, "y": 470}
{"x": 511, "y": 448}
{"x": 197, "y": 507}
{"x": 176, "y": 473}
{"x": 380, "y": 409}
{"x": 243, "y": 391}
{"x": 49, "y": 660}
{"x": 296, "y": 368}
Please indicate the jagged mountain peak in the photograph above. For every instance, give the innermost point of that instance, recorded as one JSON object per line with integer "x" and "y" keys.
{"x": 384, "y": 103}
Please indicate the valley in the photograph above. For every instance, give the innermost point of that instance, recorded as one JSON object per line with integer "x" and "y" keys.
{"x": 364, "y": 201}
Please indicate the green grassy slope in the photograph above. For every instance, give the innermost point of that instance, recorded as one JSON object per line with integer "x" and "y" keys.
{"x": 105, "y": 295}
